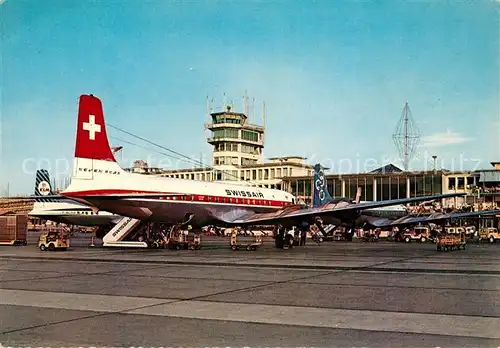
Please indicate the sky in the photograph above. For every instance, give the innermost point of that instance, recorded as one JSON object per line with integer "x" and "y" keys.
{"x": 335, "y": 77}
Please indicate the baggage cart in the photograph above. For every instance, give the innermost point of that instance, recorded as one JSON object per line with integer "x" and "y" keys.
{"x": 447, "y": 242}
{"x": 13, "y": 229}
{"x": 251, "y": 245}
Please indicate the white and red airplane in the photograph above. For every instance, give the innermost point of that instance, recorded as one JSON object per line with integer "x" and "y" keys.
{"x": 98, "y": 180}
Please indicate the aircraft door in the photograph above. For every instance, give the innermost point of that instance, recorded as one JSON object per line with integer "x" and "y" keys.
{"x": 83, "y": 169}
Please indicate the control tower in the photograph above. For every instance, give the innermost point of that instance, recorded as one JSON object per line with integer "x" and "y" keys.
{"x": 235, "y": 142}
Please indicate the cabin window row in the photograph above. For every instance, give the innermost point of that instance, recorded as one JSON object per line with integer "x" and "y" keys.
{"x": 217, "y": 199}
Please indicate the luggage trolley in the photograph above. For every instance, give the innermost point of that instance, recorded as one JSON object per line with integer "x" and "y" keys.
{"x": 248, "y": 246}
{"x": 451, "y": 242}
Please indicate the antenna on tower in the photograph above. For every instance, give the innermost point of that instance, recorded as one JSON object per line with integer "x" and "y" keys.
{"x": 247, "y": 104}
{"x": 263, "y": 118}
{"x": 253, "y": 110}
{"x": 207, "y": 108}
{"x": 406, "y": 136}
{"x": 263, "y": 114}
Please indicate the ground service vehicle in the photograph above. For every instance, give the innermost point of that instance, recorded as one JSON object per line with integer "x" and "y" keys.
{"x": 489, "y": 233}
{"x": 53, "y": 240}
{"x": 418, "y": 233}
{"x": 447, "y": 242}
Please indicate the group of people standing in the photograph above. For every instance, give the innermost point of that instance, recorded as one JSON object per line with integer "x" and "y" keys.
{"x": 296, "y": 236}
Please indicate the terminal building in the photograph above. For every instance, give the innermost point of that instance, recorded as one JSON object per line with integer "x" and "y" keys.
{"x": 390, "y": 182}
{"x": 237, "y": 156}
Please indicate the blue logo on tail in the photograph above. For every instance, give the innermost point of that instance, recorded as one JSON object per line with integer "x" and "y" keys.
{"x": 321, "y": 194}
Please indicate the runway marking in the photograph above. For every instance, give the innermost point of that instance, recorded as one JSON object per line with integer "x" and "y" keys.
{"x": 80, "y": 302}
{"x": 437, "y": 273}
{"x": 435, "y": 324}
{"x": 331, "y": 318}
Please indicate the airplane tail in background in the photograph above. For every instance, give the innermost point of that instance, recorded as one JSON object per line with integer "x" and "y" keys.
{"x": 321, "y": 194}
{"x": 42, "y": 186}
{"x": 93, "y": 155}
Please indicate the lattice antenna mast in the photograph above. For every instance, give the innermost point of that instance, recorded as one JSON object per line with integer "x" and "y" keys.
{"x": 406, "y": 137}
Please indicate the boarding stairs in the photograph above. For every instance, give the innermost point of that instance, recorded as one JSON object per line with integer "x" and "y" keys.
{"x": 116, "y": 236}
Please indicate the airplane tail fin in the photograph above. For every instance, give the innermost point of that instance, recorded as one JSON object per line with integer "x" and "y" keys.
{"x": 93, "y": 155}
{"x": 42, "y": 186}
{"x": 321, "y": 194}
{"x": 42, "y": 183}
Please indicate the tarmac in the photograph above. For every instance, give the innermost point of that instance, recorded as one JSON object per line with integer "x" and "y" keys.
{"x": 338, "y": 294}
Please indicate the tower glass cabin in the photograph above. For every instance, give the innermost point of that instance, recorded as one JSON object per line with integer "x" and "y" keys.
{"x": 235, "y": 143}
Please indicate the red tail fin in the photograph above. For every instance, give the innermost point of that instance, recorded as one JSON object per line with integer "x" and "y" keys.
{"x": 91, "y": 138}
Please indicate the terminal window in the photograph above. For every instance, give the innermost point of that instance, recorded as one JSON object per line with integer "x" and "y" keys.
{"x": 228, "y": 119}
{"x": 470, "y": 181}
{"x": 251, "y": 136}
{"x": 451, "y": 183}
{"x": 225, "y": 133}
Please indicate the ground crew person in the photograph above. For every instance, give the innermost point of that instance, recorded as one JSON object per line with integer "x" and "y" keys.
{"x": 303, "y": 235}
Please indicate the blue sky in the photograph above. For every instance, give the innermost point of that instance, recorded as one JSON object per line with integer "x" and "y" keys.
{"x": 335, "y": 77}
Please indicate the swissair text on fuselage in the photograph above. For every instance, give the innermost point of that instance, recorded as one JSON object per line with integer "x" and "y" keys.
{"x": 244, "y": 193}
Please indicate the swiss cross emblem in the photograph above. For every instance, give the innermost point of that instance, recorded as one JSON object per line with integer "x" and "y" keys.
{"x": 92, "y": 127}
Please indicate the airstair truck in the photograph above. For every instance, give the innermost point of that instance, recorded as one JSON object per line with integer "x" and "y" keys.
{"x": 115, "y": 237}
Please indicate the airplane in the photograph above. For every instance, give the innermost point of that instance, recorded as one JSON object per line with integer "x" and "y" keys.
{"x": 382, "y": 217}
{"x": 65, "y": 210}
{"x": 321, "y": 197}
{"x": 99, "y": 181}
{"x": 432, "y": 218}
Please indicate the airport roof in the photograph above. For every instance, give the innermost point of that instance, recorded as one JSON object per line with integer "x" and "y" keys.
{"x": 6, "y": 212}
{"x": 389, "y": 168}
{"x": 287, "y": 157}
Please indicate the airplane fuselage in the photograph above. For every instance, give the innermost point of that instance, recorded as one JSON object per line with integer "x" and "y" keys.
{"x": 72, "y": 214}
{"x": 209, "y": 202}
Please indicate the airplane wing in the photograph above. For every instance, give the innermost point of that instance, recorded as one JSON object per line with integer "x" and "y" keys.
{"x": 410, "y": 220}
{"x": 331, "y": 210}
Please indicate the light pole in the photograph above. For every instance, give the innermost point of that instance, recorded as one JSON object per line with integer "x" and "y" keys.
{"x": 434, "y": 158}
